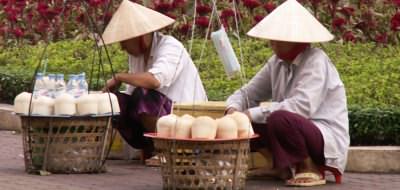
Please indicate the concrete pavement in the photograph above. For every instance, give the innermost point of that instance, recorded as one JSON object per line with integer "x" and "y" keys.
{"x": 129, "y": 175}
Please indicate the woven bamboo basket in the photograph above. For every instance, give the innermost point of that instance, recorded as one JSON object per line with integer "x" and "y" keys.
{"x": 65, "y": 144}
{"x": 197, "y": 164}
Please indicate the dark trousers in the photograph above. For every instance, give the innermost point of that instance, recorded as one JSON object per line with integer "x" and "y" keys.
{"x": 129, "y": 124}
{"x": 290, "y": 138}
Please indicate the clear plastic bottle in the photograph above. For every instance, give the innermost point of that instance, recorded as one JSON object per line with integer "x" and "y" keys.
{"x": 40, "y": 87}
{"x": 83, "y": 85}
{"x": 72, "y": 86}
{"x": 60, "y": 86}
{"x": 51, "y": 85}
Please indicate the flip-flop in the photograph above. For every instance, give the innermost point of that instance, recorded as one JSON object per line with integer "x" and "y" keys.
{"x": 313, "y": 179}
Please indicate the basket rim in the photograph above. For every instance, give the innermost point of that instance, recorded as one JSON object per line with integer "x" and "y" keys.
{"x": 67, "y": 116}
{"x": 155, "y": 136}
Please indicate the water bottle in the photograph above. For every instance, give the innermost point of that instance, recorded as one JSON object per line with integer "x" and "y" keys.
{"x": 72, "y": 86}
{"x": 83, "y": 85}
{"x": 51, "y": 85}
{"x": 60, "y": 86}
{"x": 40, "y": 87}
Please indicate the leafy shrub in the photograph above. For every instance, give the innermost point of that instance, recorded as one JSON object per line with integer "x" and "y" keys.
{"x": 64, "y": 57}
{"x": 371, "y": 79}
{"x": 374, "y": 126}
{"x": 10, "y": 86}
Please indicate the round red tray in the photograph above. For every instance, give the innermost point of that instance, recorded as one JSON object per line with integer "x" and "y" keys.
{"x": 155, "y": 136}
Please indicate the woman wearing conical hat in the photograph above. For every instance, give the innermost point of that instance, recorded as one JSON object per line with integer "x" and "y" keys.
{"x": 305, "y": 128}
{"x": 160, "y": 72}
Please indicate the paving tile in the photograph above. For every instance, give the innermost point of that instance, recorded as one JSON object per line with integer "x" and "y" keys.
{"x": 131, "y": 175}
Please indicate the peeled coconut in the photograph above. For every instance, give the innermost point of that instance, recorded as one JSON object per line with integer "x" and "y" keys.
{"x": 184, "y": 127}
{"x": 43, "y": 106}
{"x": 87, "y": 104}
{"x": 227, "y": 128}
{"x": 204, "y": 127}
{"x": 166, "y": 125}
{"x": 21, "y": 103}
{"x": 65, "y": 105}
{"x": 187, "y": 116}
{"x": 243, "y": 123}
{"x": 105, "y": 105}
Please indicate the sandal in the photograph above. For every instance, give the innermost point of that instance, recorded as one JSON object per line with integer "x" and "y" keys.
{"x": 306, "y": 179}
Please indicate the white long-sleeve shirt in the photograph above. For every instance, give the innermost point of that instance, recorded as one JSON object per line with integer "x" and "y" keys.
{"x": 309, "y": 86}
{"x": 172, "y": 66}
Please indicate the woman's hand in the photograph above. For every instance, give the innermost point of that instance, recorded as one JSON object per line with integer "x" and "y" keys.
{"x": 112, "y": 84}
{"x": 230, "y": 110}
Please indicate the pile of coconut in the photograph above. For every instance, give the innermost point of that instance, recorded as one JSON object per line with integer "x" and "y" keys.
{"x": 232, "y": 126}
{"x": 67, "y": 105}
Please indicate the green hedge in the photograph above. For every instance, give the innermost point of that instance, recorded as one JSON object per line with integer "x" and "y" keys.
{"x": 371, "y": 76}
{"x": 374, "y": 126}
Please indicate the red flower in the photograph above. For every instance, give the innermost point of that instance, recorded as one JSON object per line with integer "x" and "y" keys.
{"x": 18, "y": 32}
{"x": 349, "y": 36}
{"x": 178, "y": 4}
{"x": 361, "y": 25}
{"x": 11, "y": 13}
{"x": 269, "y": 7}
{"x": 50, "y": 14}
{"x": 202, "y": 21}
{"x": 337, "y": 23}
{"x": 395, "y": 22}
{"x": 348, "y": 11}
{"x": 42, "y": 26}
{"x": 203, "y": 9}
{"x": 226, "y": 13}
{"x": 81, "y": 18}
{"x": 4, "y": 2}
{"x": 381, "y": 38}
{"x": 251, "y": 4}
{"x": 162, "y": 7}
{"x": 42, "y": 8}
{"x": 29, "y": 16}
{"x": 258, "y": 18}
{"x": 185, "y": 28}
{"x": 225, "y": 23}
{"x": 95, "y": 3}
{"x": 396, "y": 2}
{"x": 20, "y": 3}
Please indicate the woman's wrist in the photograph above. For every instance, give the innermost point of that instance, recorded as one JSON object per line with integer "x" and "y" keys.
{"x": 116, "y": 77}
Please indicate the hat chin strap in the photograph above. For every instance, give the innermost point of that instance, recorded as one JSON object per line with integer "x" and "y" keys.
{"x": 292, "y": 54}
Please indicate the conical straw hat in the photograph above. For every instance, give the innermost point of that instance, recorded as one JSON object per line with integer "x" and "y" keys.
{"x": 133, "y": 20}
{"x": 291, "y": 22}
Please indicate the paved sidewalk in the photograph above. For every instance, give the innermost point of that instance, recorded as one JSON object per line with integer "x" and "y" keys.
{"x": 130, "y": 175}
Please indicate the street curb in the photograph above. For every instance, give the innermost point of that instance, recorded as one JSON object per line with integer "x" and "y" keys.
{"x": 8, "y": 120}
{"x": 376, "y": 159}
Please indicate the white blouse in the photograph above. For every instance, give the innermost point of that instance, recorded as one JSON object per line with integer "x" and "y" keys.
{"x": 172, "y": 66}
{"x": 311, "y": 87}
